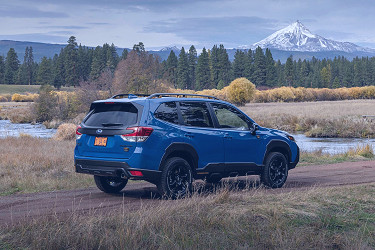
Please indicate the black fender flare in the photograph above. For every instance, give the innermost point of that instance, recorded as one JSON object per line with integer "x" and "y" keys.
{"x": 180, "y": 149}
{"x": 277, "y": 146}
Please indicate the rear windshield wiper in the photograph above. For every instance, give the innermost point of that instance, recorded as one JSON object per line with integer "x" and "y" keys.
{"x": 111, "y": 124}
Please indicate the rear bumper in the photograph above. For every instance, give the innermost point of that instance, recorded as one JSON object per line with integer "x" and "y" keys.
{"x": 113, "y": 169}
{"x": 294, "y": 164}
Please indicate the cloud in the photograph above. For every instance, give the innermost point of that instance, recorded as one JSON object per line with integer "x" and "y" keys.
{"x": 72, "y": 27}
{"x": 237, "y": 30}
{"x": 36, "y": 37}
{"x": 28, "y": 12}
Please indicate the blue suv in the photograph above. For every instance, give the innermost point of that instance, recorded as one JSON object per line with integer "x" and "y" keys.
{"x": 172, "y": 139}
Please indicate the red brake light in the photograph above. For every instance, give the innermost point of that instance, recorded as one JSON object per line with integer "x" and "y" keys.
{"x": 78, "y": 134}
{"x": 139, "y": 134}
{"x": 136, "y": 173}
{"x": 109, "y": 103}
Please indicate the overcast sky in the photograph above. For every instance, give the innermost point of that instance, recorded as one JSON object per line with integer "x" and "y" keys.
{"x": 175, "y": 22}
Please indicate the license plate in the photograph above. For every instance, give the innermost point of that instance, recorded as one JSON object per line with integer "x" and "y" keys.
{"x": 100, "y": 141}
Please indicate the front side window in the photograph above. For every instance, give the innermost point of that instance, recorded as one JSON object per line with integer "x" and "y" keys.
{"x": 196, "y": 114}
{"x": 229, "y": 117}
{"x": 167, "y": 112}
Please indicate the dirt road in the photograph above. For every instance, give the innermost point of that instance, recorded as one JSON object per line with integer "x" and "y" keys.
{"x": 16, "y": 208}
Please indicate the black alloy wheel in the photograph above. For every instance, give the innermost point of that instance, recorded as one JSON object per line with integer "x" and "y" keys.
{"x": 275, "y": 171}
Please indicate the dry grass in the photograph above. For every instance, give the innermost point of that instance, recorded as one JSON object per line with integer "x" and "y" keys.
{"x": 31, "y": 165}
{"x": 66, "y": 131}
{"x": 359, "y": 153}
{"x": 17, "y": 112}
{"x": 318, "y": 218}
{"x": 318, "y": 119}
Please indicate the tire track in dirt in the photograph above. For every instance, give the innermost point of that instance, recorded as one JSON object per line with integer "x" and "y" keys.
{"x": 16, "y": 208}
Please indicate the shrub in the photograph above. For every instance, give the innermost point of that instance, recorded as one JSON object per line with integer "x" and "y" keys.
{"x": 3, "y": 99}
{"x": 66, "y": 131}
{"x": 24, "y": 98}
{"x": 240, "y": 91}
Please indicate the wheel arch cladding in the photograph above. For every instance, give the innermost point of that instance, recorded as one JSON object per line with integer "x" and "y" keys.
{"x": 278, "y": 146}
{"x": 183, "y": 150}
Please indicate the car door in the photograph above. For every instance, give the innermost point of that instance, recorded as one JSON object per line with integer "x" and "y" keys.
{"x": 242, "y": 148}
{"x": 198, "y": 130}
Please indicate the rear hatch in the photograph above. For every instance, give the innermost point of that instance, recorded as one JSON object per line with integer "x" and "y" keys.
{"x": 103, "y": 128}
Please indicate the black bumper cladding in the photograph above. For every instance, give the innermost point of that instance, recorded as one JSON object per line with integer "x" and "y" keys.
{"x": 294, "y": 164}
{"x": 113, "y": 169}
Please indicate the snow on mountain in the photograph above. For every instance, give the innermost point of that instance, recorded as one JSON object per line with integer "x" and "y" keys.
{"x": 296, "y": 37}
{"x": 174, "y": 48}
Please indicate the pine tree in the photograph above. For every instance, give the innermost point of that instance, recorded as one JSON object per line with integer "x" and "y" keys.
{"x": 225, "y": 67}
{"x": 271, "y": 77}
{"x": 29, "y": 64}
{"x": 239, "y": 64}
{"x": 289, "y": 71}
{"x": 44, "y": 75}
{"x": 192, "y": 61}
{"x": 183, "y": 70}
{"x": 2, "y": 70}
{"x": 172, "y": 62}
{"x": 58, "y": 70}
{"x": 249, "y": 66}
{"x": 203, "y": 73}
{"x": 325, "y": 75}
{"x": 124, "y": 54}
{"x": 259, "y": 75}
{"x": 70, "y": 63}
{"x": 11, "y": 66}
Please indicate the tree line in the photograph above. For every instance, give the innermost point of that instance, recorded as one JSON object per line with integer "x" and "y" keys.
{"x": 77, "y": 64}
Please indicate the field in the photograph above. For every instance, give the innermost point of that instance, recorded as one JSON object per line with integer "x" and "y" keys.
{"x": 317, "y": 218}
{"x": 317, "y": 119}
{"x": 24, "y": 89}
{"x": 30, "y": 164}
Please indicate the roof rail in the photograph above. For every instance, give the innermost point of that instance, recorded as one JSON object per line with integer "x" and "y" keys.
{"x": 180, "y": 95}
{"x": 128, "y": 96}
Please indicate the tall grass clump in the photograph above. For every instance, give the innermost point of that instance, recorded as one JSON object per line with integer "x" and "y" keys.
{"x": 362, "y": 150}
{"x": 66, "y": 131}
{"x": 301, "y": 94}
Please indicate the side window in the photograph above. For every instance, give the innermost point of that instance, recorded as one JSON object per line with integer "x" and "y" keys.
{"x": 167, "y": 112}
{"x": 229, "y": 117}
{"x": 195, "y": 114}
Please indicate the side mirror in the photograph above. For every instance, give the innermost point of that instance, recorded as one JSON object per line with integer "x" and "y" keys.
{"x": 254, "y": 127}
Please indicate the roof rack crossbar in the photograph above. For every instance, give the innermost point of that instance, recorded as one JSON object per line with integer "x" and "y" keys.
{"x": 127, "y": 95}
{"x": 183, "y": 95}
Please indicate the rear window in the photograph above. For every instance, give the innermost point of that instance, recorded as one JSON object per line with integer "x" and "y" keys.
{"x": 112, "y": 115}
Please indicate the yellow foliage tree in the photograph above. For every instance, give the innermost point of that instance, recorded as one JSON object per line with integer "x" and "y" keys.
{"x": 240, "y": 91}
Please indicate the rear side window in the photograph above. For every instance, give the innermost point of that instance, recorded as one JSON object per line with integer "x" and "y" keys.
{"x": 167, "y": 112}
{"x": 195, "y": 114}
{"x": 112, "y": 115}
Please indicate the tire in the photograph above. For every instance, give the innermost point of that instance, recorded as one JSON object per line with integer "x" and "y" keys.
{"x": 110, "y": 184}
{"x": 176, "y": 178}
{"x": 275, "y": 171}
{"x": 213, "y": 179}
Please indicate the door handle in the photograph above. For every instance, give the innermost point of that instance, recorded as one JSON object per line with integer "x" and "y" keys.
{"x": 226, "y": 135}
{"x": 189, "y": 135}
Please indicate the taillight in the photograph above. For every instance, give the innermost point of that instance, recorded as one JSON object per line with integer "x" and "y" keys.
{"x": 139, "y": 134}
{"x": 78, "y": 134}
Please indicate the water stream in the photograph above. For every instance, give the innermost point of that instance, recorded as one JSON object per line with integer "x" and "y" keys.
{"x": 327, "y": 145}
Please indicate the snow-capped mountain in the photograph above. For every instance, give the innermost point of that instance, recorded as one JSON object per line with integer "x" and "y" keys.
{"x": 296, "y": 37}
{"x": 174, "y": 48}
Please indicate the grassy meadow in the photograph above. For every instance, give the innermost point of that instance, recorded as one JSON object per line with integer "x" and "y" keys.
{"x": 30, "y": 164}
{"x": 317, "y": 119}
{"x": 11, "y": 89}
{"x": 317, "y": 218}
